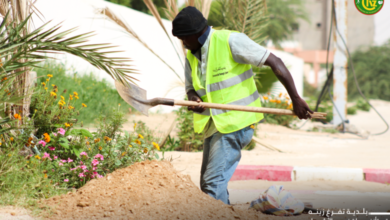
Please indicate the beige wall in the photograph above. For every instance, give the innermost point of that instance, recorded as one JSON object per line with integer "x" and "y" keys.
{"x": 312, "y": 37}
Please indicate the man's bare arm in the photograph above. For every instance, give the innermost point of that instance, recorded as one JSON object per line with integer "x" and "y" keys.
{"x": 300, "y": 106}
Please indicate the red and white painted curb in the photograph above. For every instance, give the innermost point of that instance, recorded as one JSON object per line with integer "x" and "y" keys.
{"x": 297, "y": 173}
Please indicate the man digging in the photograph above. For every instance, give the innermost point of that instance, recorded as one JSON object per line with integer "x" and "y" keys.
{"x": 218, "y": 70}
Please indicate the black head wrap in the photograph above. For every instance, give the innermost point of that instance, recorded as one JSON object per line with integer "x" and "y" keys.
{"x": 189, "y": 21}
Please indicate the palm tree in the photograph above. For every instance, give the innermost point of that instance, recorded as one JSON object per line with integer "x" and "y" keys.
{"x": 21, "y": 50}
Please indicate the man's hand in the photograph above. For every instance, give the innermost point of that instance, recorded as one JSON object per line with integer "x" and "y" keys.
{"x": 193, "y": 96}
{"x": 301, "y": 108}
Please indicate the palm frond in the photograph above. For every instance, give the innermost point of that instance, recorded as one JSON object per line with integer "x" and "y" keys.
{"x": 206, "y": 4}
{"x": 31, "y": 49}
{"x": 111, "y": 15}
{"x": 171, "y": 9}
{"x": 246, "y": 16}
{"x": 190, "y": 3}
{"x": 154, "y": 11}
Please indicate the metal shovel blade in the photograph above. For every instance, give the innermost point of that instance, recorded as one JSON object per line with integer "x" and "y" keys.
{"x": 133, "y": 95}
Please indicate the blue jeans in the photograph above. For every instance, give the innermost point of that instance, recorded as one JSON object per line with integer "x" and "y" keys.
{"x": 221, "y": 154}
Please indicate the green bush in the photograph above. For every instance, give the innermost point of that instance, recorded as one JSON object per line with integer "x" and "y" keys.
{"x": 97, "y": 95}
{"x": 50, "y": 109}
{"x": 361, "y": 104}
{"x": 69, "y": 157}
{"x": 352, "y": 110}
{"x": 372, "y": 72}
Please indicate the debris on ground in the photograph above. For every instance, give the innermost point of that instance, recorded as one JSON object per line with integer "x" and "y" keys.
{"x": 145, "y": 190}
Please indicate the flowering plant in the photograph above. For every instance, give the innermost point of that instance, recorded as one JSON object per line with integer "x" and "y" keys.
{"x": 51, "y": 109}
{"x": 74, "y": 156}
{"x": 278, "y": 101}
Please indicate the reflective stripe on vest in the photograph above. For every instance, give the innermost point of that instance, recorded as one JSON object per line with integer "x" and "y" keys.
{"x": 227, "y": 82}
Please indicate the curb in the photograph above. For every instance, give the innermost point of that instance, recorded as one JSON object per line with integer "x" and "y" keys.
{"x": 290, "y": 173}
{"x": 377, "y": 175}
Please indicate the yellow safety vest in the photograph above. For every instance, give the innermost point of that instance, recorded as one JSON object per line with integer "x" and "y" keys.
{"x": 227, "y": 82}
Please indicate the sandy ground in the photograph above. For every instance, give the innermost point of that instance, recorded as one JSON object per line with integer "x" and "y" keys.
{"x": 302, "y": 148}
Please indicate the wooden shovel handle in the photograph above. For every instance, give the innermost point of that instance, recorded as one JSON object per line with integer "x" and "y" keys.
{"x": 318, "y": 115}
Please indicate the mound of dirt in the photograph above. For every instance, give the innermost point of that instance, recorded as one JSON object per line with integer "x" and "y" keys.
{"x": 145, "y": 190}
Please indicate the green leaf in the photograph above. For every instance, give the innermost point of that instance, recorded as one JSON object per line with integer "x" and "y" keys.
{"x": 156, "y": 155}
{"x": 77, "y": 152}
{"x": 81, "y": 132}
{"x": 118, "y": 163}
{"x": 64, "y": 142}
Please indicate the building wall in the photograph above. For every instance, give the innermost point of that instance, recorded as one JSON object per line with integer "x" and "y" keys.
{"x": 313, "y": 35}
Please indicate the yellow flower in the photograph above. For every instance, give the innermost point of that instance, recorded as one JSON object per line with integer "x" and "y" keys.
{"x": 45, "y": 88}
{"x": 5, "y": 78}
{"x": 67, "y": 125}
{"x": 265, "y": 97}
{"x": 53, "y": 94}
{"x": 137, "y": 141}
{"x": 145, "y": 150}
{"x": 49, "y": 75}
{"x": 48, "y": 79}
{"x": 252, "y": 126}
{"x": 61, "y": 103}
{"x": 89, "y": 149}
{"x": 75, "y": 94}
{"x": 272, "y": 100}
{"x": 45, "y": 176}
{"x": 278, "y": 101}
{"x": 11, "y": 139}
{"x": 70, "y": 97}
{"x": 87, "y": 142}
{"x": 130, "y": 145}
{"x": 107, "y": 138}
{"x": 97, "y": 140}
{"x": 62, "y": 98}
{"x": 27, "y": 161}
{"x": 53, "y": 85}
{"x": 280, "y": 94}
{"x": 140, "y": 136}
{"x": 9, "y": 155}
{"x": 70, "y": 107}
{"x": 38, "y": 157}
{"x": 84, "y": 105}
{"x": 135, "y": 125}
{"x": 76, "y": 97}
{"x": 46, "y": 137}
{"x": 286, "y": 101}
{"x": 100, "y": 148}
{"x": 290, "y": 106}
{"x": 43, "y": 84}
{"x": 0, "y": 143}
{"x": 124, "y": 153}
{"x": 156, "y": 145}
{"x": 119, "y": 104}
{"x": 288, "y": 98}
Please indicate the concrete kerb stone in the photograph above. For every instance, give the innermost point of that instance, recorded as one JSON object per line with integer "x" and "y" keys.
{"x": 377, "y": 175}
{"x": 290, "y": 173}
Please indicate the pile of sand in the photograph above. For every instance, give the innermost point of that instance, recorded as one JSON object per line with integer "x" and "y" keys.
{"x": 145, "y": 190}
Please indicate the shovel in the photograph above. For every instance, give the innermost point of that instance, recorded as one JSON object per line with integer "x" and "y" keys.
{"x": 136, "y": 97}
